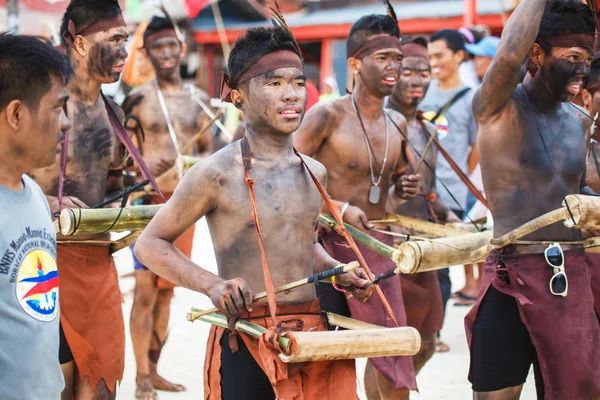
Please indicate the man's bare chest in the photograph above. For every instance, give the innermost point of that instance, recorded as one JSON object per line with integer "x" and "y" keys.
{"x": 178, "y": 110}
{"x": 92, "y": 140}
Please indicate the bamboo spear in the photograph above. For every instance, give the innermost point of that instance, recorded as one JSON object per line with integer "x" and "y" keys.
{"x": 196, "y": 313}
{"x": 168, "y": 175}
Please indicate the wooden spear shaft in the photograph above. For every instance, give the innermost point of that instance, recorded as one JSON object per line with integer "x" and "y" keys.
{"x": 196, "y": 313}
{"x": 429, "y": 143}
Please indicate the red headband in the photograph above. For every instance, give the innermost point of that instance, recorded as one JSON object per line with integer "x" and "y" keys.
{"x": 101, "y": 25}
{"x": 584, "y": 40}
{"x": 379, "y": 43}
{"x": 270, "y": 62}
{"x": 415, "y": 50}
{"x": 167, "y": 32}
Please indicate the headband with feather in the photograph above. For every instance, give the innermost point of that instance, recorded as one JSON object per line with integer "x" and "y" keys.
{"x": 279, "y": 22}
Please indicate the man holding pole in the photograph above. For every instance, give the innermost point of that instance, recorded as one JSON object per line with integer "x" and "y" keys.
{"x": 536, "y": 304}
{"x": 257, "y": 186}
{"x": 90, "y": 171}
{"x": 180, "y": 115}
{"x": 360, "y": 144}
{"x": 421, "y": 292}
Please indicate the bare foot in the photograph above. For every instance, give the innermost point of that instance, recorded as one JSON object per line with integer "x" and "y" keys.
{"x": 161, "y": 383}
{"x": 441, "y": 347}
{"x": 144, "y": 390}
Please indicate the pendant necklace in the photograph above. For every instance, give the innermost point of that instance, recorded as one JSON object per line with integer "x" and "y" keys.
{"x": 375, "y": 191}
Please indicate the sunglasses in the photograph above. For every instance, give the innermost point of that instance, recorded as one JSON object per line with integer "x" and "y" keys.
{"x": 555, "y": 258}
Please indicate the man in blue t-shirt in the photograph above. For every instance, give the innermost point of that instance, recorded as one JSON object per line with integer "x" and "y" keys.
{"x": 33, "y": 76}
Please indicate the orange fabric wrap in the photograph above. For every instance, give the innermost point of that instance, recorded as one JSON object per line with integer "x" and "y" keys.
{"x": 322, "y": 380}
{"x": 91, "y": 311}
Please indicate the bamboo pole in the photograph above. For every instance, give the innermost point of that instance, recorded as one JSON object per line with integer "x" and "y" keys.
{"x": 171, "y": 173}
{"x": 75, "y": 221}
{"x": 344, "y": 345}
{"x": 436, "y": 254}
{"x": 248, "y": 328}
{"x": 195, "y": 314}
{"x": 364, "y": 239}
{"x": 420, "y": 226}
{"x": 349, "y": 323}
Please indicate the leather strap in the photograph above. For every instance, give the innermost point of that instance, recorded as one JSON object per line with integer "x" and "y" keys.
{"x": 342, "y": 231}
{"x": 463, "y": 177}
{"x": 270, "y": 287}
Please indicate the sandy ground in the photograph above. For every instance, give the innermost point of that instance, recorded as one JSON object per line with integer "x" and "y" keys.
{"x": 443, "y": 378}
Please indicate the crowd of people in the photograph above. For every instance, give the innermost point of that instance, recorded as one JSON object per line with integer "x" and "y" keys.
{"x": 459, "y": 127}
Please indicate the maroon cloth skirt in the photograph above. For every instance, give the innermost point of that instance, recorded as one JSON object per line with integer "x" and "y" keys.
{"x": 593, "y": 261}
{"x": 564, "y": 330}
{"x": 423, "y": 302}
{"x": 398, "y": 370}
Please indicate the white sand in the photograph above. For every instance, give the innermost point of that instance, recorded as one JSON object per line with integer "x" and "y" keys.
{"x": 443, "y": 378}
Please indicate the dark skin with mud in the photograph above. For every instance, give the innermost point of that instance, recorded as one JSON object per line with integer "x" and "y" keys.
{"x": 94, "y": 148}
{"x": 520, "y": 176}
{"x": 331, "y": 132}
{"x": 186, "y": 114}
{"x": 407, "y": 95}
{"x": 151, "y": 306}
{"x": 288, "y": 206}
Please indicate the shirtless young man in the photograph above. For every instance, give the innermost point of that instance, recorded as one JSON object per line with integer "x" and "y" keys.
{"x": 91, "y": 316}
{"x": 163, "y": 108}
{"x": 363, "y": 162}
{"x": 33, "y": 77}
{"x": 532, "y": 151}
{"x": 267, "y": 84}
{"x": 421, "y": 292}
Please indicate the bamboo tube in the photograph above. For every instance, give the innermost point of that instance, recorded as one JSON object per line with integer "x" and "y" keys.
{"x": 436, "y": 254}
{"x": 421, "y": 226}
{"x": 344, "y": 345}
{"x": 195, "y": 314}
{"x": 349, "y": 323}
{"x": 171, "y": 173}
{"x": 75, "y": 221}
{"x": 364, "y": 239}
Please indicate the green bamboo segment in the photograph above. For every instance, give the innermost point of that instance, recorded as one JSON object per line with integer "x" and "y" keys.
{"x": 74, "y": 221}
{"x": 246, "y": 327}
{"x": 364, "y": 239}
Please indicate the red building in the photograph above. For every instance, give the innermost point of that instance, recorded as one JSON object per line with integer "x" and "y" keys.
{"x": 321, "y": 28}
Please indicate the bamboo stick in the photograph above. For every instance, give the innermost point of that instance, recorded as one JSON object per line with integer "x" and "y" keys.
{"x": 75, "y": 221}
{"x": 195, "y": 314}
{"x": 344, "y": 345}
{"x": 429, "y": 142}
{"x": 436, "y": 254}
{"x": 364, "y": 239}
{"x": 420, "y": 226}
{"x": 248, "y": 328}
{"x": 349, "y": 323}
{"x": 171, "y": 173}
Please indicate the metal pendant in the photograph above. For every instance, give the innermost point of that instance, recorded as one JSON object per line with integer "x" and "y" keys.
{"x": 374, "y": 195}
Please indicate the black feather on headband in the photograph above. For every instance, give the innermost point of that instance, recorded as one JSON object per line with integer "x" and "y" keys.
{"x": 279, "y": 22}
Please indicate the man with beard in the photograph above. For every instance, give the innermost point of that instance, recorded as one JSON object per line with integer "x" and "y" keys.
{"x": 421, "y": 292}
{"x": 33, "y": 77}
{"x": 536, "y": 303}
{"x": 261, "y": 205}
{"x": 93, "y": 343}
{"x": 361, "y": 146}
{"x": 165, "y": 133}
